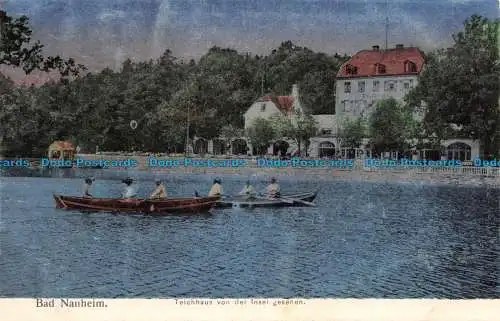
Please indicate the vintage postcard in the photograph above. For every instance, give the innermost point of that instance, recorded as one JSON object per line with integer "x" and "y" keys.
{"x": 249, "y": 160}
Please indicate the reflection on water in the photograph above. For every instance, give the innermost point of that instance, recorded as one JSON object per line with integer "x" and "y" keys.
{"x": 363, "y": 240}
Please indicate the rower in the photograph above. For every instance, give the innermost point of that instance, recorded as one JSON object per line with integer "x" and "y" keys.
{"x": 129, "y": 191}
{"x": 273, "y": 190}
{"x": 216, "y": 189}
{"x": 159, "y": 192}
{"x": 87, "y": 187}
{"x": 248, "y": 190}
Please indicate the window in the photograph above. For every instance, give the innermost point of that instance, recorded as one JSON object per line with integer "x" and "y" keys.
{"x": 326, "y": 132}
{"x": 380, "y": 69}
{"x": 459, "y": 151}
{"x": 361, "y": 86}
{"x": 390, "y": 86}
{"x": 349, "y": 105}
{"x": 351, "y": 70}
{"x": 263, "y": 107}
{"x": 347, "y": 87}
{"x": 410, "y": 66}
{"x": 376, "y": 85}
{"x": 406, "y": 85}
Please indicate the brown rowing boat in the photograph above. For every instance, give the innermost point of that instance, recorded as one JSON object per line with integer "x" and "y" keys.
{"x": 168, "y": 206}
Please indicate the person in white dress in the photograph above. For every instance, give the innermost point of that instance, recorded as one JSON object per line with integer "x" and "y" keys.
{"x": 130, "y": 191}
{"x": 216, "y": 189}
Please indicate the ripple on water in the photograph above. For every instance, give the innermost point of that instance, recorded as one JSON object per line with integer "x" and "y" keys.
{"x": 363, "y": 240}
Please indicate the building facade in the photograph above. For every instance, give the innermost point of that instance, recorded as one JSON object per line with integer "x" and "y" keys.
{"x": 373, "y": 75}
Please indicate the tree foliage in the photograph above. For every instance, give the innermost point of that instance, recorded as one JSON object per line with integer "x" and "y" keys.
{"x": 300, "y": 128}
{"x": 261, "y": 134}
{"x": 352, "y": 132}
{"x": 459, "y": 87}
{"x": 17, "y": 49}
{"x": 391, "y": 126}
{"x": 97, "y": 108}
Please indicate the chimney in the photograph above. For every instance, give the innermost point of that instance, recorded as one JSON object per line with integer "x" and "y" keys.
{"x": 376, "y": 48}
{"x": 400, "y": 46}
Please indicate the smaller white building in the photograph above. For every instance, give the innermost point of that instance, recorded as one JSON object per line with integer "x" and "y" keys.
{"x": 270, "y": 106}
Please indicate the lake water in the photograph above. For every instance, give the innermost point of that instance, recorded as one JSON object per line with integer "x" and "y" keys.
{"x": 363, "y": 240}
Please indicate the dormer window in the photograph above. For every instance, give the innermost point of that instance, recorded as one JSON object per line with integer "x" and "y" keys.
{"x": 410, "y": 66}
{"x": 379, "y": 68}
{"x": 351, "y": 70}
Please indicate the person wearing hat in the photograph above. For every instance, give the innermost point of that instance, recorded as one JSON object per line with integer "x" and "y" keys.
{"x": 129, "y": 191}
{"x": 273, "y": 190}
{"x": 216, "y": 189}
{"x": 248, "y": 190}
{"x": 159, "y": 191}
{"x": 87, "y": 187}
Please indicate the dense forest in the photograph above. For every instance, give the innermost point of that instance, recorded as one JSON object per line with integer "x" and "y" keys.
{"x": 459, "y": 88}
{"x": 96, "y": 109}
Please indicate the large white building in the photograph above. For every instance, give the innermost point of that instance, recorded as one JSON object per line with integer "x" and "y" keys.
{"x": 372, "y": 75}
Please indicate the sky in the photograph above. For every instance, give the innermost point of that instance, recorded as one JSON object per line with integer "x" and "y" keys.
{"x": 101, "y": 33}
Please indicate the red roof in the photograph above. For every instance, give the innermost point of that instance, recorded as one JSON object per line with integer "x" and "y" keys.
{"x": 284, "y": 103}
{"x": 60, "y": 144}
{"x": 397, "y": 61}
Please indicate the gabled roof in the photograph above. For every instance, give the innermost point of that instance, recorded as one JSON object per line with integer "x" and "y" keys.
{"x": 61, "y": 145}
{"x": 394, "y": 60}
{"x": 284, "y": 103}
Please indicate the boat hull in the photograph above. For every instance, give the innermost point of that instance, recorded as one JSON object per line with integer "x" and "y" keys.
{"x": 183, "y": 205}
{"x": 245, "y": 203}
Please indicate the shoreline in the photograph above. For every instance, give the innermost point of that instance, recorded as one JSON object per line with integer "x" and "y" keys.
{"x": 462, "y": 176}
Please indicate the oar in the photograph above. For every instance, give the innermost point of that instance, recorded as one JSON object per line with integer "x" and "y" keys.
{"x": 300, "y": 201}
{"x": 293, "y": 200}
{"x": 284, "y": 200}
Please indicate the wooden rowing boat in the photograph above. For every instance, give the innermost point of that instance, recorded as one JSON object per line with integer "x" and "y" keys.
{"x": 243, "y": 201}
{"x": 181, "y": 205}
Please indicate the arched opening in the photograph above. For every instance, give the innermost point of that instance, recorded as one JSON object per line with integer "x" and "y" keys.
{"x": 239, "y": 147}
{"x": 459, "y": 151}
{"x": 56, "y": 154}
{"x": 326, "y": 149}
{"x": 200, "y": 146}
{"x": 175, "y": 148}
{"x": 280, "y": 148}
{"x": 219, "y": 147}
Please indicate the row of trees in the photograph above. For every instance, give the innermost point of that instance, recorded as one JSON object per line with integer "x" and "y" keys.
{"x": 96, "y": 109}
{"x": 459, "y": 90}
